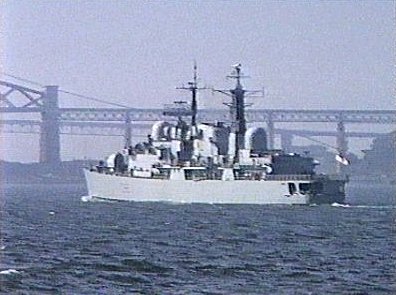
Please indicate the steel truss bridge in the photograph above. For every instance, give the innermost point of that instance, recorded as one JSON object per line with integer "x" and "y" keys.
{"x": 20, "y": 100}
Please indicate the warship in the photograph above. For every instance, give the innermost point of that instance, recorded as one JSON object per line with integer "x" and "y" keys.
{"x": 187, "y": 161}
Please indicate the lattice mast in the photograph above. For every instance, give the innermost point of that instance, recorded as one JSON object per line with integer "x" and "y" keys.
{"x": 237, "y": 109}
{"x": 193, "y": 87}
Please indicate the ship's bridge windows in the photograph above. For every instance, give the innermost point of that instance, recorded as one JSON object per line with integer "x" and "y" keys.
{"x": 304, "y": 187}
{"x": 292, "y": 188}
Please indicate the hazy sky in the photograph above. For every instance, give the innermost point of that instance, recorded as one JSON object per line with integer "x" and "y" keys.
{"x": 306, "y": 54}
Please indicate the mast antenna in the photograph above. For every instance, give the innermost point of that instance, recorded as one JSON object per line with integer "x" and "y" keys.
{"x": 193, "y": 87}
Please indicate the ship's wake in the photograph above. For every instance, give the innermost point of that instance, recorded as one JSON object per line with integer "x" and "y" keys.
{"x": 93, "y": 199}
{"x": 86, "y": 199}
{"x": 364, "y": 206}
{"x": 10, "y": 271}
{"x": 340, "y": 205}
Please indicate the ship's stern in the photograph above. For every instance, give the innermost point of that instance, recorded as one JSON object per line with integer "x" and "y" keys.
{"x": 328, "y": 190}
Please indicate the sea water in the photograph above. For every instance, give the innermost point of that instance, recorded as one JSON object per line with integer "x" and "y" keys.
{"x": 55, "y": 240}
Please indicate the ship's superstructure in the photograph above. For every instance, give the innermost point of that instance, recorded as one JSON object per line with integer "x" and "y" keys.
{"x": 217, "y": 162}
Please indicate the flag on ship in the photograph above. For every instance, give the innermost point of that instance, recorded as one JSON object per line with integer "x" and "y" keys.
{"x": 342, "y": 160}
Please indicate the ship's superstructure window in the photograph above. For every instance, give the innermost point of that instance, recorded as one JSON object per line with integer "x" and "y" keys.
{"x": 292, "y": 188}
{"x": 304, "y": 187}
{"x": 195, "y": 174}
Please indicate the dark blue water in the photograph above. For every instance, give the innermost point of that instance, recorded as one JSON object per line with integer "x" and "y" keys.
{"x": 53, "y": 242}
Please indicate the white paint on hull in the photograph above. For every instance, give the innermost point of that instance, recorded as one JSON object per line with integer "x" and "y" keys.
{"x": 189, "y": 191}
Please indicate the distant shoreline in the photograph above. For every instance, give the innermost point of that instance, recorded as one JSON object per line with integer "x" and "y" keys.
{"x": 68, "y": 172}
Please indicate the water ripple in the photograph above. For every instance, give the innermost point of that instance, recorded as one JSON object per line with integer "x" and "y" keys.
{"x": 94, "y": 247}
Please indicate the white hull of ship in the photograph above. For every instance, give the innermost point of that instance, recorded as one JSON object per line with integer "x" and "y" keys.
{"x": 125, "y": 188}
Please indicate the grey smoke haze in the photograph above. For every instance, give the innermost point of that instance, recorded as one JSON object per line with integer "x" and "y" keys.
{"x": 318, "y": 54}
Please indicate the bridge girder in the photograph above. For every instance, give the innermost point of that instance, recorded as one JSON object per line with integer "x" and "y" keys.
{"x": 105, "y": 128}
{"x": 262, "y": 115}
{"x": 32, "y": 99}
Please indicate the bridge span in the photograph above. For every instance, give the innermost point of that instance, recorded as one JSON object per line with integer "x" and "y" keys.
{"x": 20, "y": 100}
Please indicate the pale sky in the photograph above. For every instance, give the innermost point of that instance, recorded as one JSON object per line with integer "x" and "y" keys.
{"x": 306, "y": 54}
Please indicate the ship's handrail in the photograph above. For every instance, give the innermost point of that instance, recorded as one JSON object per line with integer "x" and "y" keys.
{"x": 288, "y": 177}
{"x": 339, "y": 177}
{"x": 268, "y": 177}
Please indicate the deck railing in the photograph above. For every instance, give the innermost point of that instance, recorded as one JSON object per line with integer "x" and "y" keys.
{"x": 289, "y": 177}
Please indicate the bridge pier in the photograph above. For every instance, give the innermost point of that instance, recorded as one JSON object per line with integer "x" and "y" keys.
{"x": 341, "y": 143}
{"x": 286, "y": 141}
{"x": 128, "y": 130}
{"x": 49, "y": 133}
{"x": 270, "y": 132}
